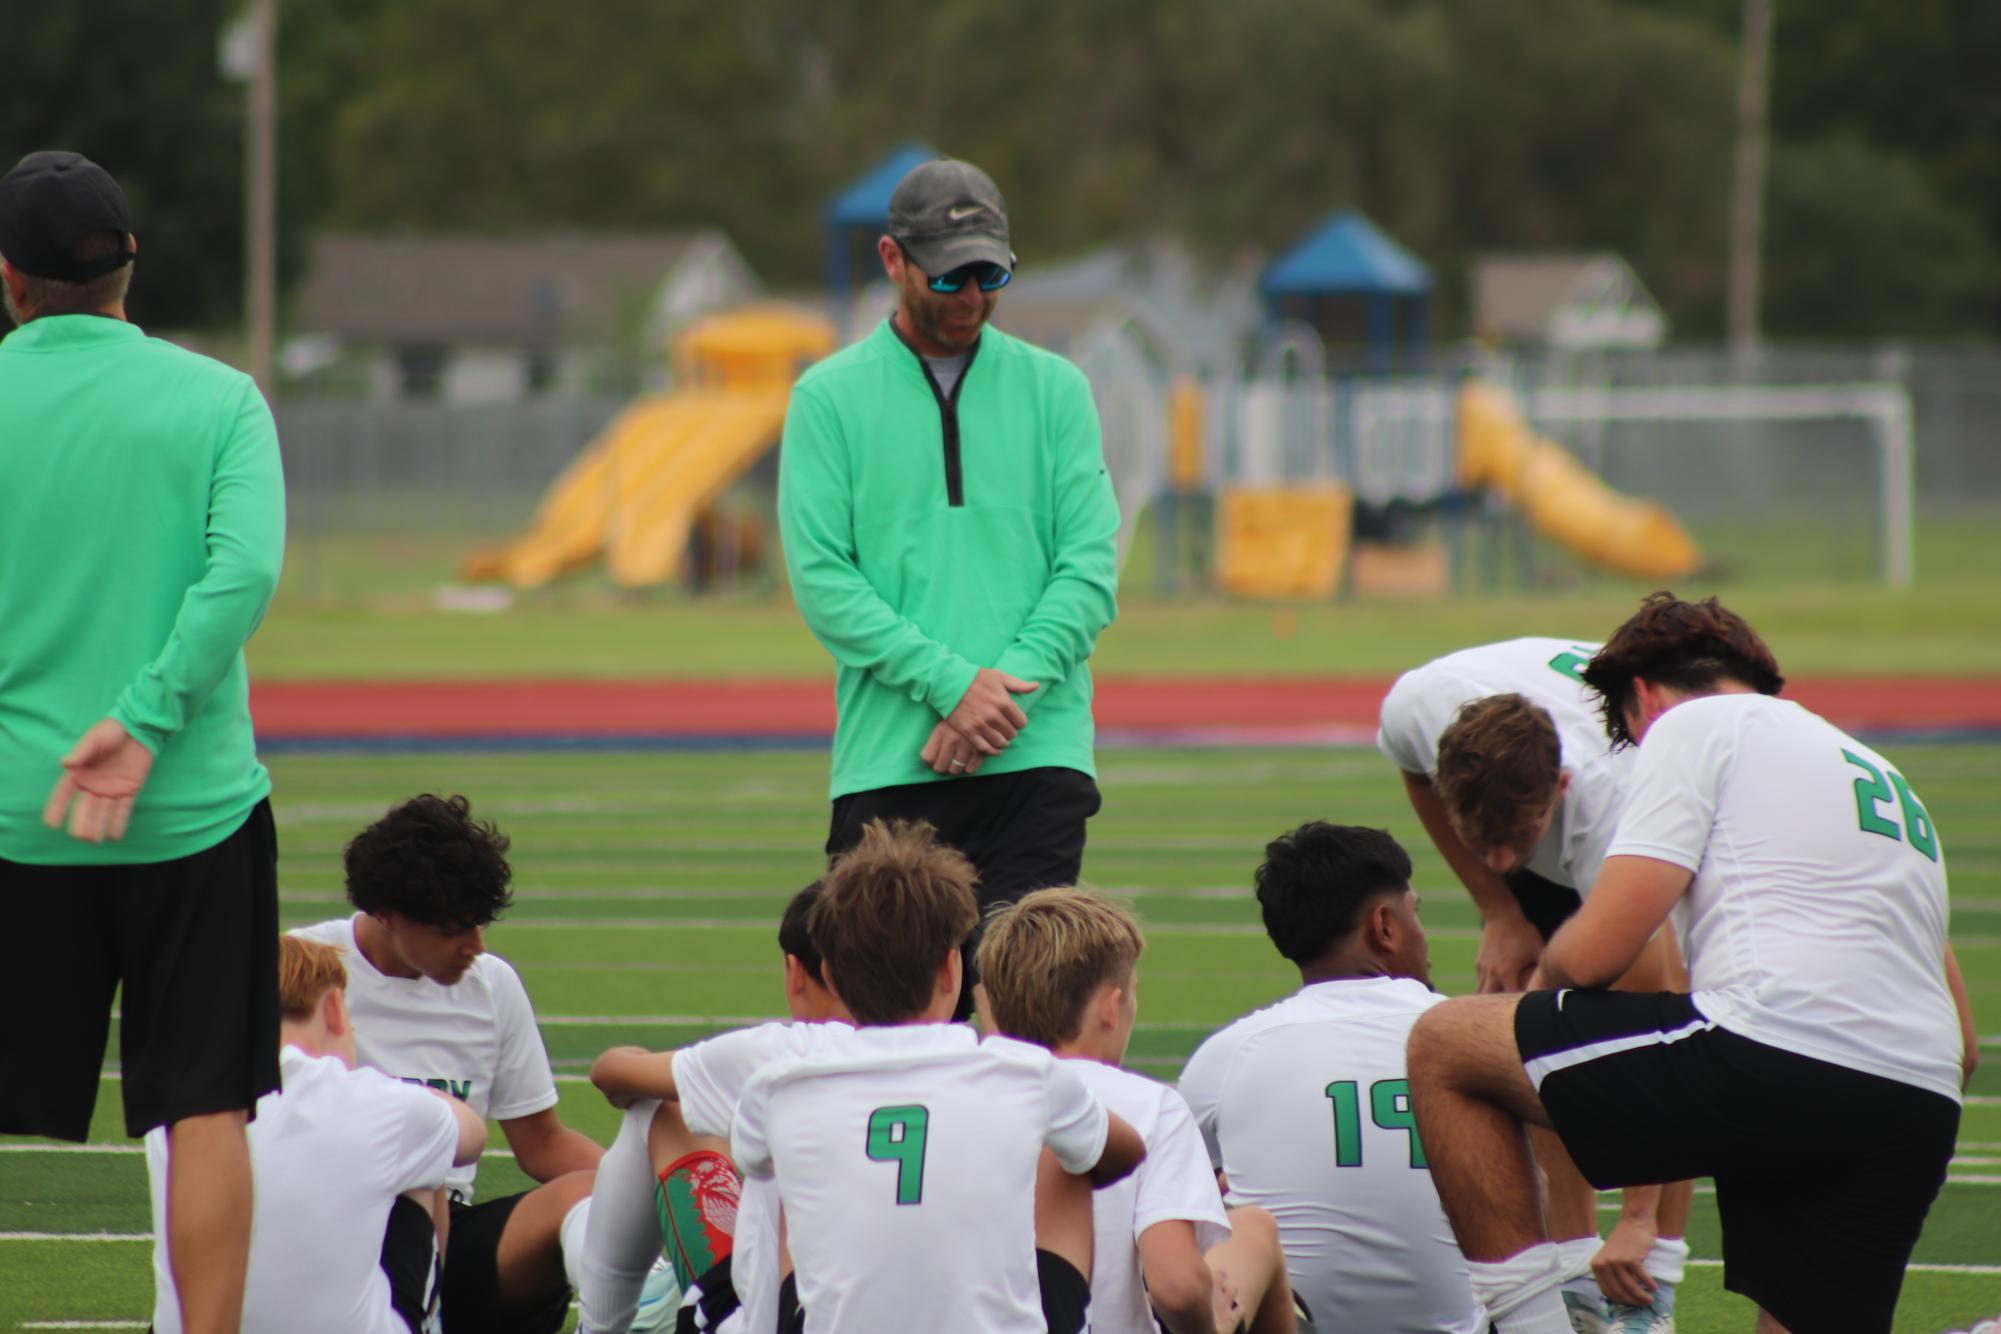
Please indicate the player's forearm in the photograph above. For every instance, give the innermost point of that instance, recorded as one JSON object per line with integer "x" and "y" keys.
{"x": 1969, "y": 1036}
{"x": 1124, "y": 1151}
{"x": 625, "y": 1074}
{"x": 546, "y": 1157}
{"x": 1640, "y": 1204}
{"x": 221, "y": 610}
{"x": 1081, "y": 596}
{"x": 547, "y": 1153}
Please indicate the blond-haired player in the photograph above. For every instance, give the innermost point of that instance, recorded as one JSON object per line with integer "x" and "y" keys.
{"x": 334, "y": 1155}
{"x": 906, "y": 1151}
{"x": 1060, "y": 969}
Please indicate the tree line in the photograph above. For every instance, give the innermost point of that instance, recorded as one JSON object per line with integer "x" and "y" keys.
{"x": 1460, "y": 126}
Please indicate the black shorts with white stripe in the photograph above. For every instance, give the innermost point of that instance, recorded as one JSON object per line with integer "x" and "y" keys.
{"x": 1820, "y": 1169}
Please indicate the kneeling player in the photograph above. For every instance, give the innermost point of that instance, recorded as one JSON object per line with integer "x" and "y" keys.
{"x": 1510, "y": 773}
{"x": 335, "y": 1155}
{"x": 1820, "y": 1012}
{"x": 1060, "y": 969}
{"x": 906, "y": 1150}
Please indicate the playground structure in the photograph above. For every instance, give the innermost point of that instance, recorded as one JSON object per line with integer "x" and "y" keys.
{"x": 1282, "y": 516}
{"x": 635, "y": 494}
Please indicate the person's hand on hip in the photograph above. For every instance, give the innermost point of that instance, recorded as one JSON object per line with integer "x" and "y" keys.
{"x": 102, "y": 775}
{"x": 986, "y": 715}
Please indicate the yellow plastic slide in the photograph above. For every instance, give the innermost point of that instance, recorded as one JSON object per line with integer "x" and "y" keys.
{"x": 1560, "y": 497}
{"x": 633, "y": 495}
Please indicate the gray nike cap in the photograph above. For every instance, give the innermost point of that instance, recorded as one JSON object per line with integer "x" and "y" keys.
{"x": 946, "y": 213}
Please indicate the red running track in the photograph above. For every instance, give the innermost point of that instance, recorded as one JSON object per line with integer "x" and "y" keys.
{"x": 316, "y": 710}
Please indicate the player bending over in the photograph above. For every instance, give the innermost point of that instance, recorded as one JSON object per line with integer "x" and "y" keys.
{"x": 431, "y": 1006}
{"x": 906, "y": 1150}
{"x": 1506, "y": 764}
{"x": 667, "y": 1162}
{"x": 1305, "y": 1106}
{"x": 1820, "y": 1013}
{"x": 333, "y": 1156}
{"x": 1060, "y": 969}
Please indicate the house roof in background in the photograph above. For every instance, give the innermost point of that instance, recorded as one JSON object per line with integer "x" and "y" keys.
{"x": 458, "y": 289}
{"x": 1564, "y": 299}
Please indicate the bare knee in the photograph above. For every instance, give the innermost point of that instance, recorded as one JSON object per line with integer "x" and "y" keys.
{"x": 1467, "y": 1046}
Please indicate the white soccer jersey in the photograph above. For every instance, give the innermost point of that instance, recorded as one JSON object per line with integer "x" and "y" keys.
{"x": 476, "y": 1039}
{"x": 1175, "y": 1182}
{"x": 1817, "y": 914}
{"x": 905, "y": 1158}
{"x": 1306, "y": 1110}
{"x": 1425, "y": 700}
{"x": 710, "y": 1077}
{"x": 329, "y": 1155}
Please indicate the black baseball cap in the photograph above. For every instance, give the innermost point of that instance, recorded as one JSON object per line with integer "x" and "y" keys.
{"x": 946, "y": 213}
{"x": 50, "y": 203}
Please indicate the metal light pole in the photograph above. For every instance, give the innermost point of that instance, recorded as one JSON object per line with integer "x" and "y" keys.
{"x": 261, "y": 195}
{"x": 1747, "y": 208}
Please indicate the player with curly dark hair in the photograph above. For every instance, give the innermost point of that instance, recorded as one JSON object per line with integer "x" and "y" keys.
{"x": 1822, "y": 1006}
{"x": 431, "y": 1006}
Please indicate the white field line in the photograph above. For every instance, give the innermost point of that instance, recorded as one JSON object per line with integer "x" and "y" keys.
{"x": 127, "y": 1150}
{"x": 84, "y": 1324}
{"x": 1975, "y": 1270}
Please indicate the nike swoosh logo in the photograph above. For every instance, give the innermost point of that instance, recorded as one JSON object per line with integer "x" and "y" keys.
{"x": 963, "y": 212}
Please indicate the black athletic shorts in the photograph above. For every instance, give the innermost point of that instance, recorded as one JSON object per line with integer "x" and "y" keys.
{"x": 1545, "y": 903}
{"x": 194, "y": 944}
{"x": 1023, "y": 831}
{"x": 1066, "y": 1297}
{"x": 1823, "y": 1174}
{"x": 411, "y": 1262}
{"x": 471, "y": 1293}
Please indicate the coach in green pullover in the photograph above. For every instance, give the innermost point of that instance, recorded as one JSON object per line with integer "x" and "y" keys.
{"x": 142, "y": 519}
{"x": 951, "y": 535}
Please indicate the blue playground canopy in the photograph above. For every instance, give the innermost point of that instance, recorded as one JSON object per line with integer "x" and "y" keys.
{"x": 859, "y": 213}
{"x": 1349, "y": 257}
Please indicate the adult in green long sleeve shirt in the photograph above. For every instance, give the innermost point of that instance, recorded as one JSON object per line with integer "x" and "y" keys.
{"x": 142, "y": 517}
{"x": 951, "y": 535}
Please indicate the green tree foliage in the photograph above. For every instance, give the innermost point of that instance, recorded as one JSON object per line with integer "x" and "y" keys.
{"x": 1461, "y": 126}
{"x": 123, "y": 83}
{"x": 1884, "y": 196}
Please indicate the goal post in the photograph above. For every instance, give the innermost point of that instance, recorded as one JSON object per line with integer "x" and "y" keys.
{"x": 1884, "y": 408}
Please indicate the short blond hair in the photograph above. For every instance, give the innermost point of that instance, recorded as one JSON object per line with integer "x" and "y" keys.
{"x": 1042, "y": 959}
{"x": 307, "y": 970}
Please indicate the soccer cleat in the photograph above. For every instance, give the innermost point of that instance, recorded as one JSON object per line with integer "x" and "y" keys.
{"x": 1656, "y": 1317}
{"x": 659, "y": 1301}
{"x": 1589, "y": 1313}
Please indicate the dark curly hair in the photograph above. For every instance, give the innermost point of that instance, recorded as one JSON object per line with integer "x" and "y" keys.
{"x": 1316, "y": 880}
{"x": 429, "y": 860}
{"x": 1687, "y": 645}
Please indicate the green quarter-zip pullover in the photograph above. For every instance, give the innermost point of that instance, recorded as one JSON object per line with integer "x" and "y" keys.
{"x": 142, "y": 525}
{"x": 928, "y": 536}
